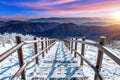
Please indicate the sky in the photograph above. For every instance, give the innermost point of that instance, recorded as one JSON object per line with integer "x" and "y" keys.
{"x": 58, "y": 8}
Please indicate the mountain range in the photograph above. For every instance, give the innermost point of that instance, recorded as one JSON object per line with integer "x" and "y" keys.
{"x": 60, "y": 30}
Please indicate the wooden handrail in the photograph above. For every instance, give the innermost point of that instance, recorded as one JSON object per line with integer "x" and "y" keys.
{"x": 15, "y": 77}
{"x": 34, "y": 41}
{"x": 109, "y": 53}
{"x": 16, "y": 47}
{"x": 102, "y": 48}
{"x": 89, "y": 63}
{"x": 10, "y": 51}
{"x": 85, "y": 42}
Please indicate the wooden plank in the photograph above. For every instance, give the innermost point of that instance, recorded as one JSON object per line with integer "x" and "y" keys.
{"x": 36, "y": 50}
{"x": 20, "y": 57}
{"x": 100, "y": 55}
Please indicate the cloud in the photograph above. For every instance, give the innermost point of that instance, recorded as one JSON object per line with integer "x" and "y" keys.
{"x": 62, "y": 2}
{"x": 58, "y": 7}
{"x": 94, "y": 7}
{"x": 73, "y": 8}
{"x": 18, "y": 17}
{"x": 38, "y": 4}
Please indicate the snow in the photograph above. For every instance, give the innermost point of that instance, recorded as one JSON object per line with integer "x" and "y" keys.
{"x": 110, "y": 70}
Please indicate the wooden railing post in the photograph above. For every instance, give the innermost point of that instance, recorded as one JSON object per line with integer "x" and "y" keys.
{"x": 36, "y": 51}
{"x": 67, "y": 44}
{"x": 20, "y": 56}
{"x": 75, "y": 54}
{"x": 42, "y": 47}
{"x": 100, "y": 55}
{"x": 71, "y": 46}
{"x": 46, "y": 45}
{"x": 82, "y": 50}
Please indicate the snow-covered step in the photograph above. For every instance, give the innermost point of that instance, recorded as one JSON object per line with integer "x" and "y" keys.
{"x": 60, "y": 64}
{"x": 37, "y": 78}
{"x": 60, "y": 72}
{"x": 60, "y": 61}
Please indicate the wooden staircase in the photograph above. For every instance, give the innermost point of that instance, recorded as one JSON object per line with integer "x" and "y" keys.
{"x": 59, "y": 65}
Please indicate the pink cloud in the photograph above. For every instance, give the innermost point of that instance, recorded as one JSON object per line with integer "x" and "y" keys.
{"x": 62, "y": 2}
{"x": 95, "y": 7}
{"x": 73, "y": 8}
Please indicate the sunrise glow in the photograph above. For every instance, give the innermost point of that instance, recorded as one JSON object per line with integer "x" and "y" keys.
{"x": 116, "y": 16}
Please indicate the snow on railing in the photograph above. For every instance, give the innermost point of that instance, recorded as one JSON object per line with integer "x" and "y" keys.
{"x": 100, "y": 46}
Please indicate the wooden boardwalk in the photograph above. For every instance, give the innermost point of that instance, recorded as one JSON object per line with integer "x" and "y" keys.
{"x": 59, "y": 65}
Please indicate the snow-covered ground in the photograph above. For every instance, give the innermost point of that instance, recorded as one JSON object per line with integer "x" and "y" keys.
{"x": 110, "y": 70}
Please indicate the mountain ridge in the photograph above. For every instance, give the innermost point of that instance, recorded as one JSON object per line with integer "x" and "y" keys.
{"x": 60, "y": 30}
